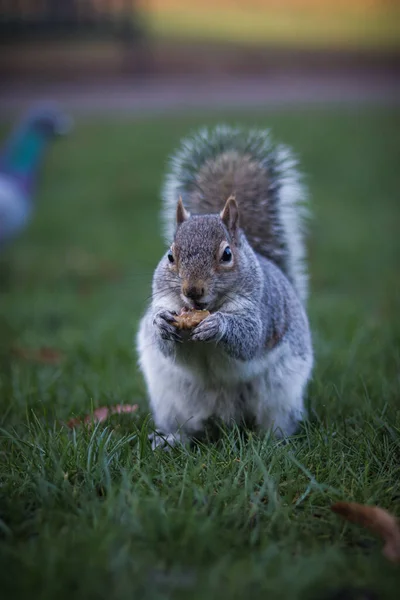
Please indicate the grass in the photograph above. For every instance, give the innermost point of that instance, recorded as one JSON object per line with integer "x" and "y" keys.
{"x": 96, "y": 514}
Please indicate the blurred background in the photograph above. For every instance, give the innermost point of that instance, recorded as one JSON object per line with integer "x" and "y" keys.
{"x": 80, "y": 237}
{"x": 136, "y": 76}
{"x": 286, "y": 50}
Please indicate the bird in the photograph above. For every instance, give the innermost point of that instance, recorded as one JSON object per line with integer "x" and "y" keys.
{"x": 21, "y": 157}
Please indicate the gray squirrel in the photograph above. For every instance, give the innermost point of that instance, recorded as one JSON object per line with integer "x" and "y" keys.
{"x": 234, "y": 206}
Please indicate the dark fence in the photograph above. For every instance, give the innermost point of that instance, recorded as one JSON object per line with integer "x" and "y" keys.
{"x": 121, "y": 21}
{"x": 30, "y": 19}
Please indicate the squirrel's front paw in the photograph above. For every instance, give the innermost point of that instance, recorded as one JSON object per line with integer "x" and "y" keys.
{"x": 210, "y": 330}
{"x": 163, "y": 323}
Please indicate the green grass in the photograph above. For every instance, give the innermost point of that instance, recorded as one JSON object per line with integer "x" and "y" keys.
{"x": 377, "y": 29}
{"x": 95, "y": 514}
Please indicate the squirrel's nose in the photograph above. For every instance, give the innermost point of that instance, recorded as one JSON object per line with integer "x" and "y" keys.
{"x": 194, "y": 292}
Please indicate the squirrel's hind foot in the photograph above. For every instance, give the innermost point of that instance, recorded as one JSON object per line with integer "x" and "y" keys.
{"x": 166, "y": 441}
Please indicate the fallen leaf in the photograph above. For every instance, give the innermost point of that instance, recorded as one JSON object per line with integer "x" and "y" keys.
{"x": 102, "y": 413}
{"x": 377, "y": 520}
{"x": 110, "y": 271}
{"x": 72, "y": 423}
{"x": 85, "y": 289}
{"x": 44, "y": 355}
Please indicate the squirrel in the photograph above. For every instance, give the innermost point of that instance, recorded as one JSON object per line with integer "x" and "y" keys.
{"x": 234, "y": 208}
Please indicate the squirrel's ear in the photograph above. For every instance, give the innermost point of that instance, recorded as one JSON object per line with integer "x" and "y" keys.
{"x": 230, "y": 215}
{"x": 181, "y": 212}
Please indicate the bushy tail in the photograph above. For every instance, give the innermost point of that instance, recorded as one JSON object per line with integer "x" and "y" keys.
{"x": 215, "y": 163}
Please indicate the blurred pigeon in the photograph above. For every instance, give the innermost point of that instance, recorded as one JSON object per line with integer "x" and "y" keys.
{"x": 20, "y": 159}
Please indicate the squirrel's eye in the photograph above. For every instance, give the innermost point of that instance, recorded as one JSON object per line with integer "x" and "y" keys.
{"x": 170, "y": 257}
{"x": 226, "y": 255}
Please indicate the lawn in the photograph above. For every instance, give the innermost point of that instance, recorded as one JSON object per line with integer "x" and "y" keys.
{"x": 93, "y": 513}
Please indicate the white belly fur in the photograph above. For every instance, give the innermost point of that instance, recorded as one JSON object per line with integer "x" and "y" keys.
{"x": 204, "y": 382}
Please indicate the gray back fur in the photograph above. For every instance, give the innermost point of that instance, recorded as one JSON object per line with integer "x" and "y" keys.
{"x": 213, "y": 164}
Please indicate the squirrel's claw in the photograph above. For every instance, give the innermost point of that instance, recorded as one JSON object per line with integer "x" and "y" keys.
{"x": 163, "y": 323}
{"x": 209, "y": 330}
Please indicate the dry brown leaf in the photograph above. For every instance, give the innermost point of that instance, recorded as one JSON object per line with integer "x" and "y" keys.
{"x": 187, "y": 319}
{"x": 44, "y": 355}
{"x": 102, "y": 413}
{"x": 377, "y": 520}
{"x": 85, "y": 289}
{"x": 110, "y": 271}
